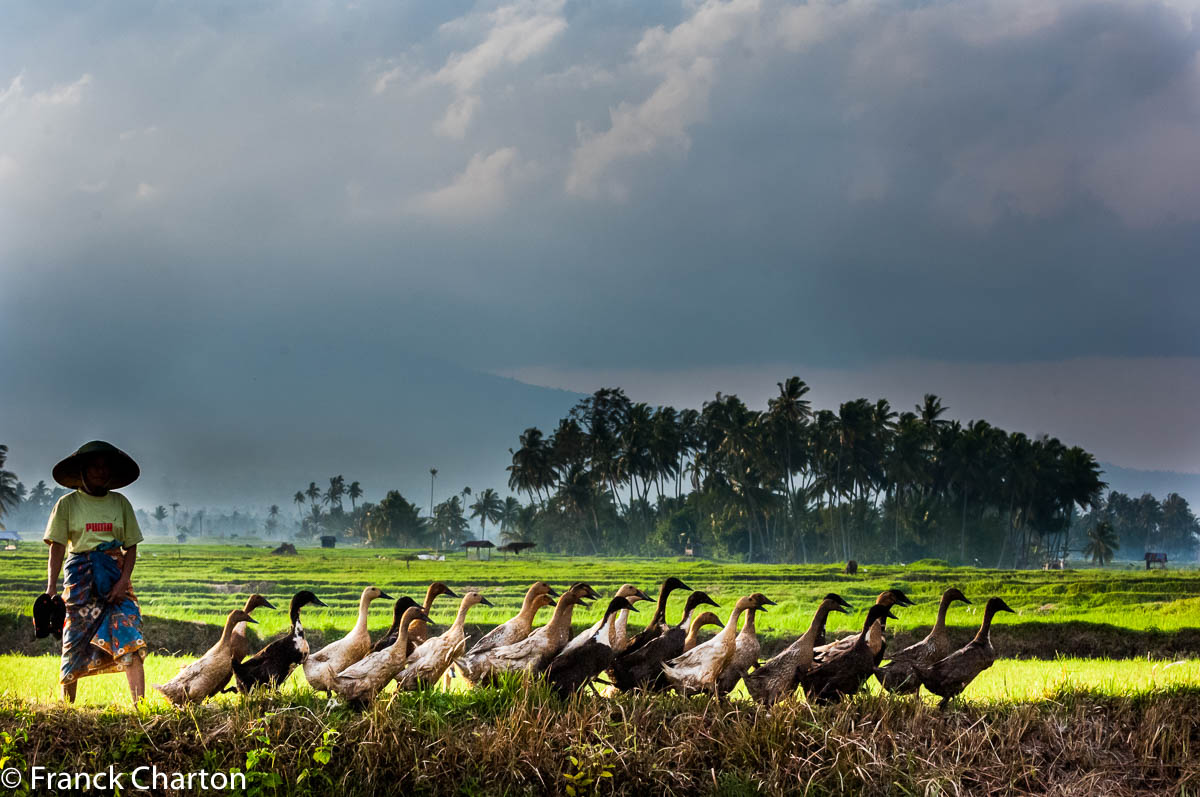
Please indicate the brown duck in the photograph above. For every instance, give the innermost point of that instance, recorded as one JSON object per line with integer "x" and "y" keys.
{"x": 239, "y": 645}
{"x": 658, "y": 620}
{"x": 533, "y": 653}
{"x": 207, "y": 675}
{"x": 699, "y": 669}
{"x": 898, "y": 677}
{"x": 889, "y": 598}
{"x": 844, "y": 673}
{"x": 948, "y": 677}
{"x": 779, "y": 676}
{"x": 472, "y": 665}
{"x": 642, "y": 668}
{"x": 418, "y": 630}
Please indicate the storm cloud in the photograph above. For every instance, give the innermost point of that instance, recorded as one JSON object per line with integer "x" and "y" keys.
{"x": 574, "y": 185}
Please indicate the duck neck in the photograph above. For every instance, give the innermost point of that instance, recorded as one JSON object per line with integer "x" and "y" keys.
{"x": 660, "y": 608}
{"x": 730, "y": 629}
{"x": 527, "y": 610}
{"x": 620, "y": 629}
{"x": 748, "y": 628}
{"x": 364, "y": 605}
{"x": 430, "y": 594}
{"x": 294, "y": 615}
{"x": 940, "y": 625}
{"x": 984, "y": 634}
{"x": 561, "y": 621}
{"x": 816, "y": 628}
{"x": 227, "y": 632}
{"x": 460, "y": 619}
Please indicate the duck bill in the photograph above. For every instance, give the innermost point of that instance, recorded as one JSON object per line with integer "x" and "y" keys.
{"x": 386, "y": 596}
{"x": 267, "y": 604}
{"x": 450, "y": 593}
{"x": 553, "y": 593}
{"x": 641, "y": 596}
{"x": 318, "y": 602}
{"x": 485, "y": 602}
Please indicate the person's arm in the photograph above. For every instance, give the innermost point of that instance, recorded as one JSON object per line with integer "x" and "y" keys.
{"x": 54, "y": 567}
{"x": 124, "y": 584}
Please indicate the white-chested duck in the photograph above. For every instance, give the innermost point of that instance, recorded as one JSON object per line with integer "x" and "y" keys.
{"x": 579, "y": 664}
{"x": 888, "y": 598}
{"x": 434, "y": 656}
{"x": 472, "y": 665}
{"x": 618, "y": 628}
{"x": 658, "y": 620}
{"x": 359, "y": 683}
{"x": 745, "y": 655}
{"x": 398, "y": 608}
{"x": 699, "y": 669}
{"x": 844, "y": 672}
{"x": 533, "y": 653}
{"x": 274, "y": 663}
{"x": 898, "y": 676}
{"x": 948, "y": 677}
{"x": 780, "y": 675}
{"x": 239, "y": 645}
{"x": 207, "y": 675}
{"x": 321, "y": 666}
{"x": 641, "y": 668}
{"x": 418, "y": 630}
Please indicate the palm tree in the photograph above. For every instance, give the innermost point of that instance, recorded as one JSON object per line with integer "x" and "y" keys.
{"x": 532, "y": 468}
{"x": 298, "y": 499}
{"x": 174, "y": 506}
{"x": 488, "y": 507}
{"x": 1102, "y": 543}
{"x": 509, "y": 514}
{"x": 313, "y": 492}
{"x": 40, "y": 494}
{"x": 11, "y": 490}
{"x": 354, "y": 492}
{"x": 789, "y": 412}
{"x": 160, "y": 514}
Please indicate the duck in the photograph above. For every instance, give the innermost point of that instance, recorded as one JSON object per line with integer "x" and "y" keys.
{"x": 844, "y": 672}
{"x": 746, "y": 648}
{"x": 207, "y": 675}
{"x": 274, "y": 663}
{"x": 889, "y": 598}
{"x": 699, "y": 668}
{"x": 578, "y": 665}
{"x": 402, "y": 603}
{"x": 642, "y": 667}
{"x": 420, "y": 629}
{"x": 533, "y": 653}
{"x": 239, "y": 645}
{"x": 948, "y": 677}
{"x": 364, "y": 679}
{"x": 618, "y": 629}
{"x": 898, "y": 677}
{"x": 426, "y": 664}
{"x": 517, "y": 628}
{"x": 693, "y": 635}
{"x": 472, "y": 665}
{"x": 320, "y": 667}
{"x": 780, "y": 675}
{"x": 658, "y": 620}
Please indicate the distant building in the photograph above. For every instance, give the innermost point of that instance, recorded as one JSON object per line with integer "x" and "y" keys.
{"x": 328, "y": 541}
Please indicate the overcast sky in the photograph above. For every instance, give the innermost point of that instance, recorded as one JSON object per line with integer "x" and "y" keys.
{"x": 997, "y": 201}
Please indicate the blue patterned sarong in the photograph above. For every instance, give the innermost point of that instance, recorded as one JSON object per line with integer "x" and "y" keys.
{"x": 98, "y": 636}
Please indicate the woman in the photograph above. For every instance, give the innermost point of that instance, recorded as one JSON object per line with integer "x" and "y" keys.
{"x": 98, "y": 532}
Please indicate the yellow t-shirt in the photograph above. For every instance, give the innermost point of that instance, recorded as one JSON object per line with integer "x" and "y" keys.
{"x": 82, "y": 522}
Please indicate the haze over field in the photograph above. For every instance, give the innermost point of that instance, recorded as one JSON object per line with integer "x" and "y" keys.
{"x": 260, "y": 244}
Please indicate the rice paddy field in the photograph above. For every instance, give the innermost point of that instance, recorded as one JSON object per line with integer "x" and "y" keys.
{"x": 1098, "y": 690}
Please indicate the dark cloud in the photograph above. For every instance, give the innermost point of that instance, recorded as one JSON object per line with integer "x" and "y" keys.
{"x": 586, "y": 185}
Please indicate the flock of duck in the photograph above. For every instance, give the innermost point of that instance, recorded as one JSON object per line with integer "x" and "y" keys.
{"x": 661, "y": 657}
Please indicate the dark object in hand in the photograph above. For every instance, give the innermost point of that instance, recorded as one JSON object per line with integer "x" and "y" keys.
{"x": 49, "y": 615}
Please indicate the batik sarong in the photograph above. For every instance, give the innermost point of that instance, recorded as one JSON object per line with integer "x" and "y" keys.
{"x": 98, "y": 636}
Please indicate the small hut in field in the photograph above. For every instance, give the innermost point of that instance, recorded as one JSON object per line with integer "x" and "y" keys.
{"x": 478, "y": 546}
{"x": 328, "y": 541}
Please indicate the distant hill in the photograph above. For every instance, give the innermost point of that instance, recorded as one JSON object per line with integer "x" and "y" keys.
{"x": 289, "y": 420}
{"x": 1156, "y": 482}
